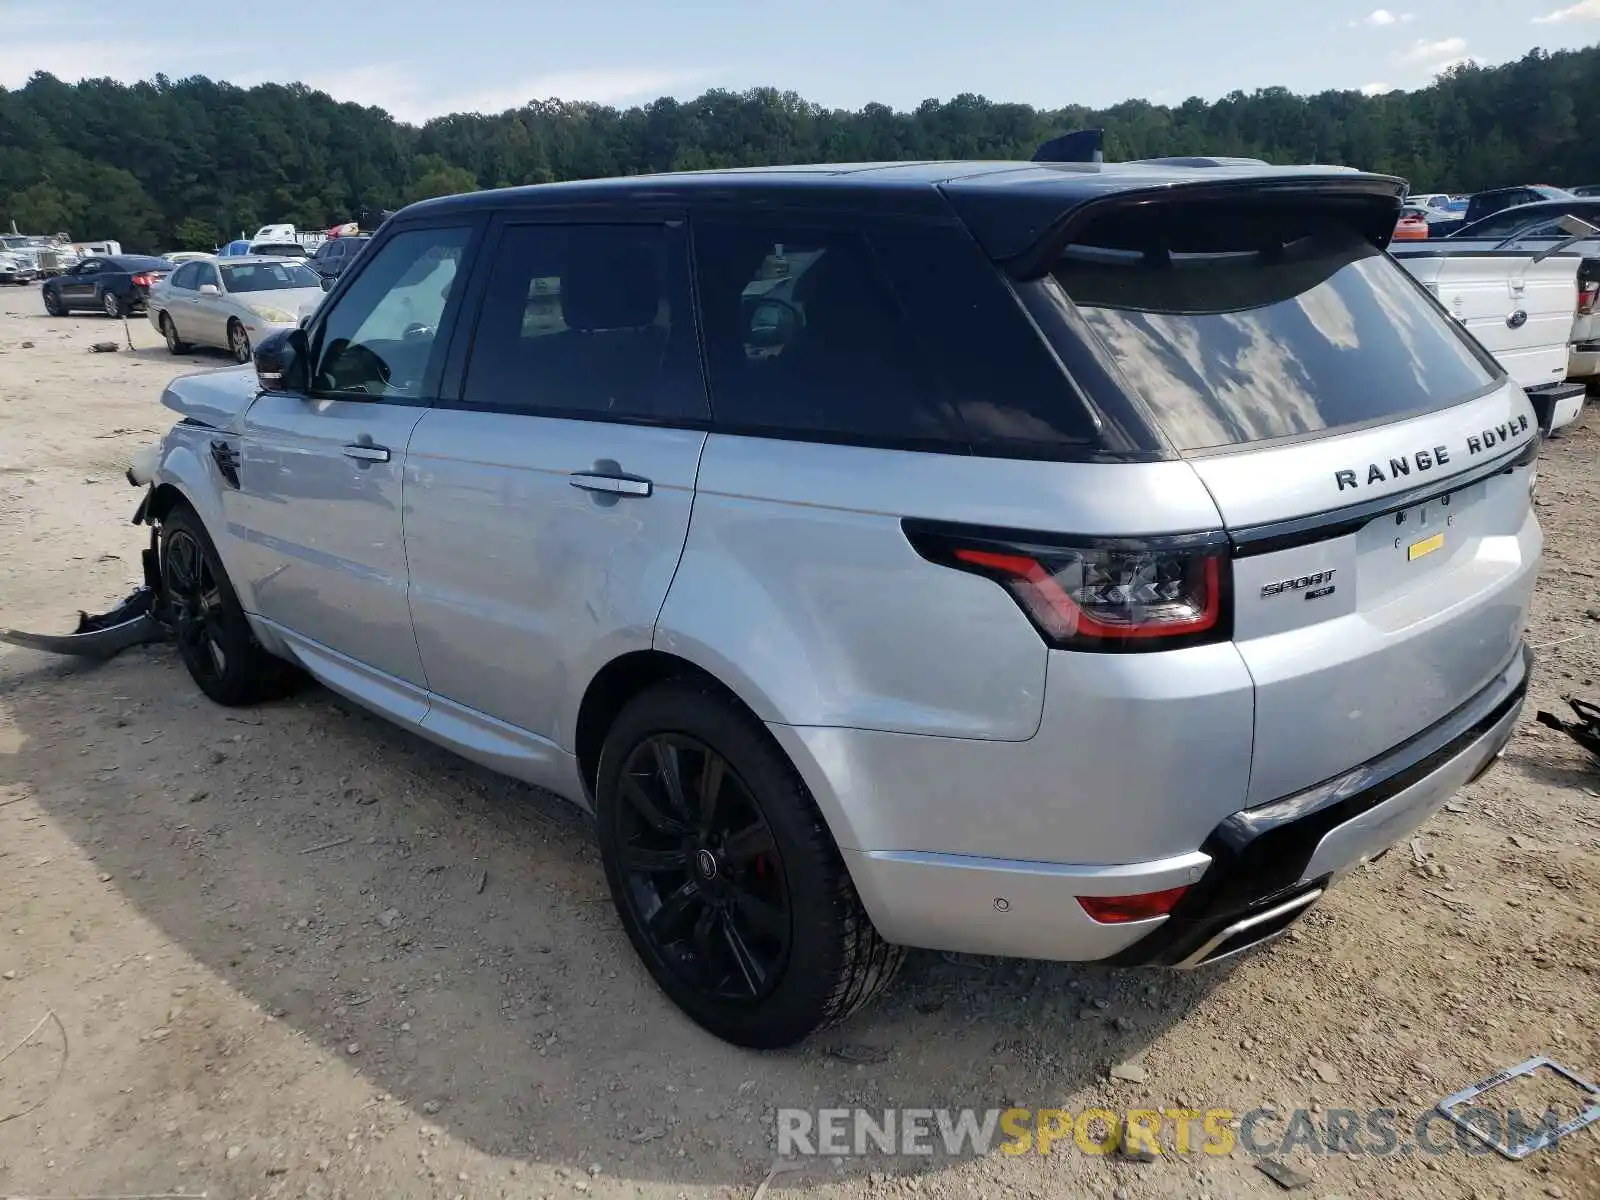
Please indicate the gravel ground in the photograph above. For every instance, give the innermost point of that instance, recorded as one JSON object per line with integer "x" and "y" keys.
{"x": 296, "y": 952}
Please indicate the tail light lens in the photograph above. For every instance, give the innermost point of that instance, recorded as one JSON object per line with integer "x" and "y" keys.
{"x": 145, "y": 280}
{"x": 1098, "y": 594}
{"x": 1119, "y": 910}
{"x": 1588, "y": 294}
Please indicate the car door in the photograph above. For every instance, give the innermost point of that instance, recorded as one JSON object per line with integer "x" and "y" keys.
{"x": 176, "y": 299}
{"x": 548, "y": 501}
{"x": 209, "y": 309}
{"x": 318, "y": 509}
{"x": 78, "y": 285}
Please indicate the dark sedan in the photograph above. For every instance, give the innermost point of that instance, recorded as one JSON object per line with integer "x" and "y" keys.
{"x": 117, "y": 285}
{"x": 335, "y": 254}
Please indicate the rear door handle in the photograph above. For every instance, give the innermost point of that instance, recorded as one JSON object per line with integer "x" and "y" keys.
{"x": 615, "y": 485}
{"x": 367, "y": 453}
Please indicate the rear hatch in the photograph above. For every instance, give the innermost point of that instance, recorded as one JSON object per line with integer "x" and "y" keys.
{"x": 1370, "y": 463}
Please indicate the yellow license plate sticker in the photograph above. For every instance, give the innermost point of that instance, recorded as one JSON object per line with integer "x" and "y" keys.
{"x": 1426, "y": 546}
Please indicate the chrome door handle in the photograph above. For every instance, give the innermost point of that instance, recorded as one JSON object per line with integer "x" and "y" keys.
{"x": 370, "y": 454}
{"x": 615, "y": 485}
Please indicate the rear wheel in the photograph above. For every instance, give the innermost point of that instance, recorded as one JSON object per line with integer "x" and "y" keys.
{"x": 112, "y": 304}
{"x": 724, "y": 874}
{"x": 213, "y": 634}
{"x": 170, "y": 332}
{"x": 238, "y": 342}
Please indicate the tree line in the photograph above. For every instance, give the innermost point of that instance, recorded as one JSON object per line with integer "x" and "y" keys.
{"x": 185, "y": 164}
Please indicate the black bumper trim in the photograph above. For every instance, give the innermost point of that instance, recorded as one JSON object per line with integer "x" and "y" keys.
{"x": 1258, "y": 854}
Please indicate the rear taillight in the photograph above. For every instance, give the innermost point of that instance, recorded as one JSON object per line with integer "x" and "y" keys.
{"x": 145, "y": 280}
{"x": 1098, "y": 594}
{"x": 1588, "y": 294}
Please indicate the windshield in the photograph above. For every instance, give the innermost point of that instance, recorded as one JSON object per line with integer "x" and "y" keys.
{"x": 280, "y": 250}
{"x": 269, "y": 277}
{"x": 1241, "y": 327}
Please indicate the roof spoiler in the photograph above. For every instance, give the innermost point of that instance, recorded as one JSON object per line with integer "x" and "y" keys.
{"x": 1079, "y": 146}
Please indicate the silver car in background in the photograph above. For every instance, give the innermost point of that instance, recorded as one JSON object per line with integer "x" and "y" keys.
{"x": 1086, "y": 562}
{"x": 232, "y": 303}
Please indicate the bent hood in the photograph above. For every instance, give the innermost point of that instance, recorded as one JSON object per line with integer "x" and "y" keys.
{"x": 214, "y": 398}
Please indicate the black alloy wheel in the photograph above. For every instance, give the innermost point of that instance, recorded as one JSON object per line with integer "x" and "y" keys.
{"x": 702, "y": 873}
{"x": 725, "y": 875}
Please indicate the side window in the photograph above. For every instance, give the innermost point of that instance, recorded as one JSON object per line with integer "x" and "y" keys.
{"x": 587, "y": 321}
{"x": 91, "y": 266}
{"x": 804, "y": 337}
{"x": 378, "y": 338}
{"x": 183, "y": 278}
{"x": 207, "y": 274}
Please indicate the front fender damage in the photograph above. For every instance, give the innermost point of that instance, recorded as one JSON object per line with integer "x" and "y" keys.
{"x": 141, "y": 618}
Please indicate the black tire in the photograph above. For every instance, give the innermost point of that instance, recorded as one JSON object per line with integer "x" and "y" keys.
{"x": 170, "y": 332}
{"x": 53, "y": 305}
{"x": 213, "y": 634}
{"x": 833, "y": 961}
{"x": 111, "y": 305}
{"x": 239, "y": 343}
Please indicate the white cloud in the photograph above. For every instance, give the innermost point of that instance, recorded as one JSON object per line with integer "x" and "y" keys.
{"x": 399, "y": 89}
{"x": 1583, "y": 10}
{"x": 1375, "y": 89}
{"x": 1423, "y": 52}
{"x": 1380, "y": 17}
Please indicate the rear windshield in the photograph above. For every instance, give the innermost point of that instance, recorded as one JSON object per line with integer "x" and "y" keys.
{"x": 279, "y": 249}
{"x": 1238, "y": 327}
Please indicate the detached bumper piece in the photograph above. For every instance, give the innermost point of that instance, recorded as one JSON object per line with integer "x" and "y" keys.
{"x": 1270, "y": 864}
{"x": 140, "y": 619}
{"x": 1585, "y": 730}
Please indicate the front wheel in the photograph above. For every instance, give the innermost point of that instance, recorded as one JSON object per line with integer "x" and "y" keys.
{"x": 53, "y": 305}
{"x": 238, "y": 342}
{"x": 213, "y": 634}
{"x": 724, "y": 875}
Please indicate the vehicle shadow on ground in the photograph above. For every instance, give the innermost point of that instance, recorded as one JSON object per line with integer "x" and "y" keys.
{"x": 363, "y": 886}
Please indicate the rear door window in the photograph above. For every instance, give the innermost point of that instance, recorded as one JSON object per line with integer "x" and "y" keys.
{"x": 1244, "y": 326}
{"x": 588, "y": 320}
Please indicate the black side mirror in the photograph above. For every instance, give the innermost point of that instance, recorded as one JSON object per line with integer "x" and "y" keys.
{"x": 327, "y": 283}
{"x": 283, "y": 362}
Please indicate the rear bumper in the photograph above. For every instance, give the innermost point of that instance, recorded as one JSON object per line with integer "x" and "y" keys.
{"x": 1583, "y": 360}
{"x": 1251, "y": 878}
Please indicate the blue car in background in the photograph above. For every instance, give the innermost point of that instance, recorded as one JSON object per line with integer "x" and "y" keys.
{"x": 234, "y": 249}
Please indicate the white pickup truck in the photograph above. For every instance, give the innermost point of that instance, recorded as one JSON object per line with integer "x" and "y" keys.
{"x": 1524, "y": 304}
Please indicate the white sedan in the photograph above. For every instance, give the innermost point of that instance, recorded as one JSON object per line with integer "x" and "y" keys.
{"x": 233, "y": 302}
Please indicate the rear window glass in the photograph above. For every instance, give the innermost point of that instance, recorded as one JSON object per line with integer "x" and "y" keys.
{"x": 1238, "y": 328}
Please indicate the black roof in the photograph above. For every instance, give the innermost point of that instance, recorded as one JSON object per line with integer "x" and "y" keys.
{"x": 1007, "y": 205}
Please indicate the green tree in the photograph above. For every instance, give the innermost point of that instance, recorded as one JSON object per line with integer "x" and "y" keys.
{"x": 195, "y": 233}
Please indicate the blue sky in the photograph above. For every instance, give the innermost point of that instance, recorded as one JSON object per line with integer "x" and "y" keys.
{"x": 420, "y": 58}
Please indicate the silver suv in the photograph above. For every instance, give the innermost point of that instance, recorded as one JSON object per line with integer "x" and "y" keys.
{"x": 1073, "y": 562}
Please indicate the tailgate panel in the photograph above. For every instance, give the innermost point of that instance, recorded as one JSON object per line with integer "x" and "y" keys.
{"x": 1363, "y": 625}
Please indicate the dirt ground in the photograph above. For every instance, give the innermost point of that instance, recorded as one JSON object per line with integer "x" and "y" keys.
{"x": 295, "y": 952}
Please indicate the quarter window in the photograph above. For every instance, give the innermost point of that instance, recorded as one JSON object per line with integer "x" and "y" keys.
{"x": 804, "y": 337}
